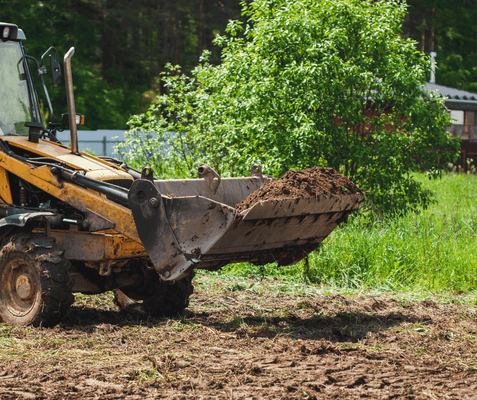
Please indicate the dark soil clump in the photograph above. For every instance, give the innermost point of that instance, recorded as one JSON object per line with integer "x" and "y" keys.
{"x": 311, "y": 182}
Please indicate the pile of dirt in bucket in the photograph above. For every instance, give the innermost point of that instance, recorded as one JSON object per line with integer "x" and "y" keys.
{"x": 311, "y": 182}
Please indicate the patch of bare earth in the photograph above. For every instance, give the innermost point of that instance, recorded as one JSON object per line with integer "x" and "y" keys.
{"x": 248, "y": 338}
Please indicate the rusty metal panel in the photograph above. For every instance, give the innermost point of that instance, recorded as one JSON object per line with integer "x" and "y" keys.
{"x": 176, "y": 231}
{"x": 263, "y": 234}
{"x": 79, "y": 246}
{"x": 197, "y": 222}
{"x": 155, "y": 231}
{"x": 86, "y": 246}
{"x": 303, "y": 206}
{"x": 5, "y": 191}
{"x": 231, "y": 191}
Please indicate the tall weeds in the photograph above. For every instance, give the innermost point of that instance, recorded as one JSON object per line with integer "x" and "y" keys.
{"x": 433, "y": 250}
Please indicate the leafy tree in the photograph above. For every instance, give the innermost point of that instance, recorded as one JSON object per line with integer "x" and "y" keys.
{"x": 448, "y": 28}
{"x": 121, "y": 46}
{"x": 65, "y": 24}
{"x": 327, "y": 82}
{"x": 163, "y": 136}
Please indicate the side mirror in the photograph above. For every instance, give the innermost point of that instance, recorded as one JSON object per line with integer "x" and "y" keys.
{"x": 55, "y": 70}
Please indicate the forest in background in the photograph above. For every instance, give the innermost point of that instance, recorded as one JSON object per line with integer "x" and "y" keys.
{"x": 122, "y": 46}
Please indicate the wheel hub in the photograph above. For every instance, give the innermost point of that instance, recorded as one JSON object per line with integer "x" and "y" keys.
{"x": 24, "y": 286}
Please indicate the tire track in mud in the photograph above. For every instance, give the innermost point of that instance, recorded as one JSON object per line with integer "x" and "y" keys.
{"x": 236, "y": 343}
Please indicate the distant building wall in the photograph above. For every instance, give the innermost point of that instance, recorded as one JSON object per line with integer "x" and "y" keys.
{"x": 462, "y": 106}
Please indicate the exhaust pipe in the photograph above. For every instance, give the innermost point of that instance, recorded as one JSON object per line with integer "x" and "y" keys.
{"x": 70, "y": 99}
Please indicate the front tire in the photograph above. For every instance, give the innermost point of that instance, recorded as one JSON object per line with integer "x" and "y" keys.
{"x": 157, "y": 298}
{"x": 35, "y": 283}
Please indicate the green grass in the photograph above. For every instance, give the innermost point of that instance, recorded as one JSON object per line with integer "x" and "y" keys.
{"x": 431, "y": 251}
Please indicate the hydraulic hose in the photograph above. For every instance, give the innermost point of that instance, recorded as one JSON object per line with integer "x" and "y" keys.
{"x": 114, "y": 192}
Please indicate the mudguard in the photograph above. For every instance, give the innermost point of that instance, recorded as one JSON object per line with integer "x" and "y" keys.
{"x": 22, "y": 219}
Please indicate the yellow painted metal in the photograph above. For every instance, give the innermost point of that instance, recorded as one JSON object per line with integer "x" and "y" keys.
{"x": 95, "y": 167}
{"x": 90, "y": 247}
{"x": 106, "y": 175}
{"x": 78, "y": 197}
{"x": 5, "y": 191}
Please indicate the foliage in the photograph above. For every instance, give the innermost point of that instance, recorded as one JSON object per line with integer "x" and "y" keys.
{"x": 162, "y": 137}
{"x": 121, "y": 47}
{"x": 432, "y": 251}
{"x": 304, "y": 83}
{"x": 51, "y": 23}
{"x": 449, "y": 29}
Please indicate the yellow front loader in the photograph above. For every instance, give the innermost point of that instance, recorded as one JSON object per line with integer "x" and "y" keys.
{"x": 71, "y": 222}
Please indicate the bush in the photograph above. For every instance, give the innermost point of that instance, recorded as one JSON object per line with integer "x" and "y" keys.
{"x": 325, "y": 82}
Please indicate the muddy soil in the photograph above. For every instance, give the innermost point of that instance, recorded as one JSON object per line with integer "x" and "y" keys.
{"x": 250, "y": 339}
{"x": 309, "y": 182}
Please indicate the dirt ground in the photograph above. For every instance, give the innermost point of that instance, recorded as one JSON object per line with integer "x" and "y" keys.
{"x": 251, "y": 339}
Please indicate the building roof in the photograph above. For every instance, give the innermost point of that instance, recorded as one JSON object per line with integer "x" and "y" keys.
{"x": 454, "y": 98}
{"x": 451, "y": 93}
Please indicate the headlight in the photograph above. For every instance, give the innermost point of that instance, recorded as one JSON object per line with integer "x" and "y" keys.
{"x": 79, "y": 119}
{"x": 6, "y": 32}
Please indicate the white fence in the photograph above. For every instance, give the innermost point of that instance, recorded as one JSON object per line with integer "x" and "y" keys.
{"x": 100, "y": 142}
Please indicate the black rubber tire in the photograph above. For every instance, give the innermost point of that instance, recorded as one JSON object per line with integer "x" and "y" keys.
{"x": 157, "y": 298}
{"x": 35, "y": 281}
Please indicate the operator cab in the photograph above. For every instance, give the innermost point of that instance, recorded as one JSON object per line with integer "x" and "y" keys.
{"x": 19, "y": 107}
{"x": 18, "y": 98}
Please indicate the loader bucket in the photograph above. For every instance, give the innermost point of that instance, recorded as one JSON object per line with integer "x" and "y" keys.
{"x": 193, "y": 223}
